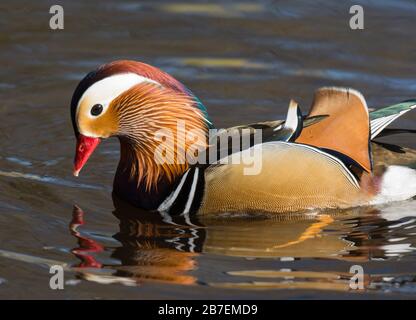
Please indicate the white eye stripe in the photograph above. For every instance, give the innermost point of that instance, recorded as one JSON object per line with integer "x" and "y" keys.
{"x": 107, "y": 89}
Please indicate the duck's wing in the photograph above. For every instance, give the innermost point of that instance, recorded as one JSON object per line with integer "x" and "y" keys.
{"x": 346, "y": 130}
{"x": 279, "y": 130}
{"x": 381, "y": 118}
{"x": 224, "y": 143}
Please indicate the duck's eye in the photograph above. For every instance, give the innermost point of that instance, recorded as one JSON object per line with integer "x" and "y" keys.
{"x": 96, "y": 109}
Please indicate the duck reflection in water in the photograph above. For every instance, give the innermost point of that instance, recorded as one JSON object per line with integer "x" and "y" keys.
{"x": 157, "y": 247}
{"x": 152, "y": 248}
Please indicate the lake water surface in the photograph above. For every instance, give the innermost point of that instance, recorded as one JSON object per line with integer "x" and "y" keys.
{"x": 244, "y": 60}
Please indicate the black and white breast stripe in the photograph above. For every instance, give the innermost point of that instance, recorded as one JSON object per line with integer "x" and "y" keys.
{"x": 187, "y": 195}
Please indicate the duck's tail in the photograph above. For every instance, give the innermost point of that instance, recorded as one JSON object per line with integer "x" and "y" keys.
{"x": 398, "y": 183}
{"x": 381, "y": 118}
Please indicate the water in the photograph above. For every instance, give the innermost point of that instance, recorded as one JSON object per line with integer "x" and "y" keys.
{"x": 244, "y": 60}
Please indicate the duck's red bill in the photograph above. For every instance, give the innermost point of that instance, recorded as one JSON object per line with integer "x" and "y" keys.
{"x": 85, "y": 147}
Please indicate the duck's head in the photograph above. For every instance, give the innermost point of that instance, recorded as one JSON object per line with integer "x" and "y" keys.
{"x": 134, "y": 101}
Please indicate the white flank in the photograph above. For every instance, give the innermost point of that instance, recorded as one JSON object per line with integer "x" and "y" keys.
{"x": 398, "y": 184}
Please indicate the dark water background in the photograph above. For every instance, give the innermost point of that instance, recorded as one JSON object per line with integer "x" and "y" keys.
{"x": 244, "y": 60}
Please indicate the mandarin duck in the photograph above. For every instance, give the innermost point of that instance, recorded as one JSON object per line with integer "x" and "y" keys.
{"x": 319, "y": 161}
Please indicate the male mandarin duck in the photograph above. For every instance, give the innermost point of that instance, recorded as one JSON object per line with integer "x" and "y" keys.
{"x": 323, "y": 160}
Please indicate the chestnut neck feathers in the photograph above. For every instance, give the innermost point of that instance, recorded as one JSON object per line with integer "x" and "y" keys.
{"x": 151, "y": 120}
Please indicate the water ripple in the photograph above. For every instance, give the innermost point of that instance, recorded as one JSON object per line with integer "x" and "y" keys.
{"x": 49, "y": 179}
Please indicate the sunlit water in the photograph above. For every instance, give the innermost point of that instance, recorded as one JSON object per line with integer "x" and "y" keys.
{"x": 245, "y": 60}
